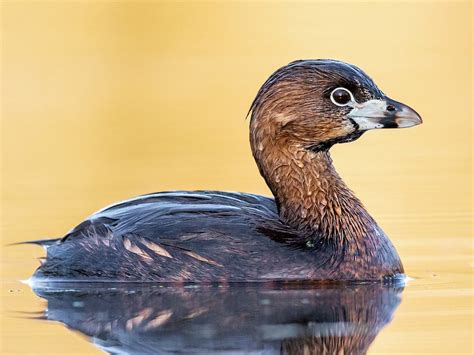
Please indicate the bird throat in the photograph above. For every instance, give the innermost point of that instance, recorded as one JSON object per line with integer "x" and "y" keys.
{"x": 310, "y": 194}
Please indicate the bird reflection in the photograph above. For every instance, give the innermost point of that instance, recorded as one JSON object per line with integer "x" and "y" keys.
{"x": 276, "y": 319}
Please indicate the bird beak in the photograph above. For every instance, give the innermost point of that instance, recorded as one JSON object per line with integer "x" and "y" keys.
{"x": 386, "y": 113}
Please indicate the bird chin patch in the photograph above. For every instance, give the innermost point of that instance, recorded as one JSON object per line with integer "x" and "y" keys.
{"x": 323, "y": 146}
{"x": 351, "y": 137}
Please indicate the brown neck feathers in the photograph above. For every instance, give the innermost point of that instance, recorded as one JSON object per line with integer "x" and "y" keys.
{"x": 309, "y": 193}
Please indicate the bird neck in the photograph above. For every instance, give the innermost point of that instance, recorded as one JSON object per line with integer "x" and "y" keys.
{"x": 310, "y": 194}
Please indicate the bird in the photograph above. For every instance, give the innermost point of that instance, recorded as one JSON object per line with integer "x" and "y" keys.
{"x": 314, "y": 229}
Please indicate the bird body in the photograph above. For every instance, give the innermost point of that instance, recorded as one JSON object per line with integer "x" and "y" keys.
{"x": 199, "y": 236}
{"x": 315, "y": 228}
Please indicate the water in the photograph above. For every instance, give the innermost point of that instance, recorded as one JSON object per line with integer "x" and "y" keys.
{"x": 248, "y": 319}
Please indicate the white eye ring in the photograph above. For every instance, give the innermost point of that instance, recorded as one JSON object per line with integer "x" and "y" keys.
{"x": 351, "y": 102}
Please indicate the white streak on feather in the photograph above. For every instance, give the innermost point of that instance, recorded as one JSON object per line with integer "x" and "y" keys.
{"x": 136, "y": 250}
{"x": 157, "y": 249}
{"x": 201, "y": 258}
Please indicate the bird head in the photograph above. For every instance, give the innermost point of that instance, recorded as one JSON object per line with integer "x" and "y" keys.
{"x": 315, "y": 104}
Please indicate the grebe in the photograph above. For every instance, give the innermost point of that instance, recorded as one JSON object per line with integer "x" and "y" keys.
{"x": 315, "y": 228}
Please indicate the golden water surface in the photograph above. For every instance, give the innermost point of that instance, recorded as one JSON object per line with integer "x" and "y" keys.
{"x": 102, "y": 101}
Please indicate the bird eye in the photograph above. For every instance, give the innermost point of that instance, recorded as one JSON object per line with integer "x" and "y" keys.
{"x": 341, "y": 97}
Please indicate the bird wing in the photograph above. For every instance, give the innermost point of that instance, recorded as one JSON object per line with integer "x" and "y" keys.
{"x": 171, "y": 235}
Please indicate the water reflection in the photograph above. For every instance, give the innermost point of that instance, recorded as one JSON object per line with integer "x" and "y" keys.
{"x": 211, "y": 319}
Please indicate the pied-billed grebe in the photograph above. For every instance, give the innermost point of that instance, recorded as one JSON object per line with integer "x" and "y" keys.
{"x": 315, "y": 229}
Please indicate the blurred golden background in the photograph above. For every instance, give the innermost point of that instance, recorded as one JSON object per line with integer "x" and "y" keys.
{"x": 102, "y": 101}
